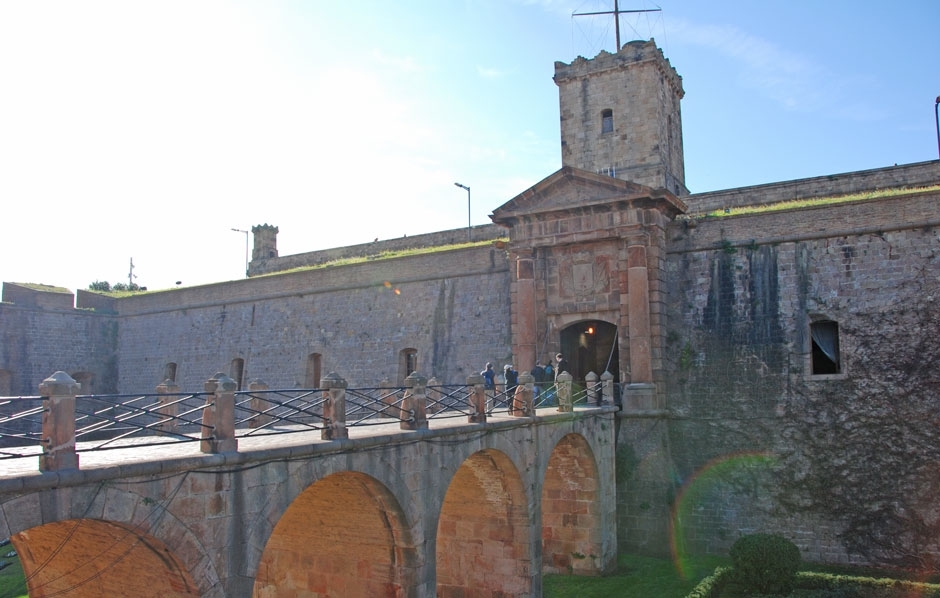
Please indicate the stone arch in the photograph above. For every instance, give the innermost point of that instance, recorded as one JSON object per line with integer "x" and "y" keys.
{"x": 483, "y": 542}
{"x": 111, "y": 505}
{"x": 344, "y": 535}
{"x": 590, "y": 345}
{"x": 75, "y": 558}
{"x": 572, "y": 535}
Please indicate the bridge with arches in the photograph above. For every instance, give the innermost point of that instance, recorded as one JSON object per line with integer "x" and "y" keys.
{"x": 446, "y": 491}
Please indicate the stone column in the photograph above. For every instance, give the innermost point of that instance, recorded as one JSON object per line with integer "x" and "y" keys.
{"x": 218, "y": 416}
{"x": 638, "y": 312}
{"x": 524, "y": 324}
{"x": 168, "y": 406}
{"x": 563, "y": 390}
{"x": 259, "y": 418}
{"x": 58, "y": 422}
{"x": 592, "y": 389}
{"x": 334, "y": 407}
{"x": 523, "y": 401}
{"x": 477, "y": 399}
{"x": 415, "y": 403}
{"x": 607, "y": 388}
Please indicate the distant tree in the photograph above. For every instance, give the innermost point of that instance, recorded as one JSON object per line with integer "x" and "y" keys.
{"x": 105, "y": 287}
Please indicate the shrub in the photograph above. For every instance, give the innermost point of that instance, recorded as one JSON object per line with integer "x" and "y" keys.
{"x": 765, "y": 563}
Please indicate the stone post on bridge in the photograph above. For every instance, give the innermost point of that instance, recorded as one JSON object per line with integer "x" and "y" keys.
{"x": 523, "y": 400}
{"x": 218, "y": 416}
{"x": 58, "y": 422}
{"x": 334, "y": 407}
{"x": 592, "y": 389}
{"x": 477, "y": 399}
{"x": 414, "y": 405}
{"x": 168, "y": 406}
{"x": 607, "y": 388}
{"x": 259, "y": 418}
{"x": 563, "y": 388}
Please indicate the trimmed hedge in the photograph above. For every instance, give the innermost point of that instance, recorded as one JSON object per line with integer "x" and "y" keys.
{"x": 765, "y": 563}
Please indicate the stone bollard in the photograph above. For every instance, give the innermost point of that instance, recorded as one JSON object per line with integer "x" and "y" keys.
{"x": 58, "y": 422}
{"x": 477, "y": 399}
{"x": 414, "y": 405}
{"x": 334, "y": 407}
{"x": 434, "y": 395}
{"x": 218, "y": 416}
{"x": 259, "y": 418}
{"x": 563, "y": 388}
{"x": 168, "y": 406}
{"x": 592, "y": 388}
{"x": 607, "y": 388}
{"x": 523, "y": 401}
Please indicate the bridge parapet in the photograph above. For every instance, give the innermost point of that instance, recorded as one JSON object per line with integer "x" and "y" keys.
{"x": 220, "y": 418}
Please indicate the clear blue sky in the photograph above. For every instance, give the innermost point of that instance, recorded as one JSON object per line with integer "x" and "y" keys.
{"x": 148, "y": 130}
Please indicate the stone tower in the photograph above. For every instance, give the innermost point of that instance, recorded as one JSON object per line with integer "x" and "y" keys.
{"x": 620, "y": 116}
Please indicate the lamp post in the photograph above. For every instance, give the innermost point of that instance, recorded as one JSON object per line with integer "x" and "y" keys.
{"x": 238, "y": 230}
{"x": 936, "y": 117}
{"x": 469, "y": 234}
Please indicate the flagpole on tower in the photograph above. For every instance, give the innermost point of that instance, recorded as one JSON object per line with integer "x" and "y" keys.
{"x": 616, "y": 12}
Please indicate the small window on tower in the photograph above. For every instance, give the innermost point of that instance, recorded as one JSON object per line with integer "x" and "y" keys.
{"x": 607, "y": 121}
{"x": 825, "y": 355}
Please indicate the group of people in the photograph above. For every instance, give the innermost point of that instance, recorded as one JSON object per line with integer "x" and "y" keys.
{"x": 541, "y": 373}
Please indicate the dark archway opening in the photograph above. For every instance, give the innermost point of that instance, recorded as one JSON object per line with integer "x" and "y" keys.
{"x": 591, "y": 346}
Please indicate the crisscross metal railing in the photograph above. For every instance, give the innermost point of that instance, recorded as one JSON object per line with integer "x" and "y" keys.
{"x": 449, "y": 400}
{"x": 20, "y": 425}
{"x": 114, "y": 421}
{"x": 104, "y": 422}
{"x": 267, "y": 412}
{"x": 376, "y": 406}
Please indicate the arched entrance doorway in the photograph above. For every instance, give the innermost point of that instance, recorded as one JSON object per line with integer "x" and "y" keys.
{"x": 591, "y": 346}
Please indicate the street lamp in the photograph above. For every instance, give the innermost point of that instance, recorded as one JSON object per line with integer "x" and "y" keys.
{"x": 469, "y": 235}
{"x": 936, "y": 117}
{"x": 238, "y": 230}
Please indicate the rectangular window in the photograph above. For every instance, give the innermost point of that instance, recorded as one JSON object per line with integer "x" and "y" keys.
{"x": 825, "y": 350}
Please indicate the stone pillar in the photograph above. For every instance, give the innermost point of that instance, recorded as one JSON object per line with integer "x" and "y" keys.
{"x": 638, "y": 314}
{"x": 477, "y": 399}
{"x": 592, "y": 389}
{"x": 168, "y": 406}
{"x": 415, "y": 403}
{"x": 607, "y": 388}
{"x": 58, "y": 422}
{"x": 334, "y": 407}
{"x": 218, "y": 416}
{"x": 524, "y": 325}
{"x": 563, "y": 390}
{"x": 523, "y": 401}
{"x": 259, "y": 405}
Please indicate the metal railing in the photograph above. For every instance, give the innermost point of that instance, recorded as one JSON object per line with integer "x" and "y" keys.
{"x": 104, "y": 422}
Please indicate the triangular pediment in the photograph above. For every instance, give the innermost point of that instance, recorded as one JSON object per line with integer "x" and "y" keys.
{"x": 572, "y": 189}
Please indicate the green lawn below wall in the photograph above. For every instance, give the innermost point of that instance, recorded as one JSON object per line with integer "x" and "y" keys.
{"x": 635, "y": 577}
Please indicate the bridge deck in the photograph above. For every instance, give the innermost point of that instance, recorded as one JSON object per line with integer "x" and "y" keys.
{"x": 130, "y": 454}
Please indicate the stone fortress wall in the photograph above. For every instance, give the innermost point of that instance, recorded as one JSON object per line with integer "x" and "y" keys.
{"x": 747, "y": 437}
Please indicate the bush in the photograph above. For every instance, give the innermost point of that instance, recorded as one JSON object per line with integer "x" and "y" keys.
{"x": 765, "y": 563}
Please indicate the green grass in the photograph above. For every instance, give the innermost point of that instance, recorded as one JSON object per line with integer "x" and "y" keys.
{"x": 635, "y": 577}
{"x": 12, "y": 579}
{"x": 819, "y": 201}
